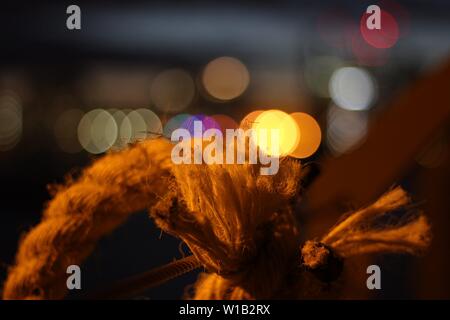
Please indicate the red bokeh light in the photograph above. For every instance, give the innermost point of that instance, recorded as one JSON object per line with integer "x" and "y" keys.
{"x": 382, "y": 38}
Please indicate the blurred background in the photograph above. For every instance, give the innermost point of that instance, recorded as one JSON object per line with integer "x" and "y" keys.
{"x": 138, "y": 69}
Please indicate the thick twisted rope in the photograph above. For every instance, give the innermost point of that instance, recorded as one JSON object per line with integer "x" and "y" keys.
{"x": 240, "y": 225}
{"x": 83, "y": 211}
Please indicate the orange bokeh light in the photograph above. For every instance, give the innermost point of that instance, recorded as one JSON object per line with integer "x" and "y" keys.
{"x": 310, "y": 137}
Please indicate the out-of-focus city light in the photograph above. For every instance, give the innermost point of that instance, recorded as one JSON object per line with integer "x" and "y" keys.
{"x": 225, "y": 122}
{"x": 174, "y": 123}
{"x": 207, "y": 123}
{"x": 10, "y": 121}
{"x": 225, "y": 78}
{"x": 144, "y": 124}
{"x": 124, "y": 128}
{"x": 400, "y": 13}
{"x": 310, "y": 135}
{"x": 289, "y": 133}
{"x": 100, "y": 130}
{"x": 318, "y": 72}
{"x": 382, "y": 38}
{"x": 154, "y": 128}
{"x": 345, "y": 129}
{"x": 172, "y": 90}
{"x": 248, "y": 121}
{"x": 352, "y": 88}
{"x": 138, "y": 127}
{"x": 65, "y": 130}
{"x": 97, "y": 131}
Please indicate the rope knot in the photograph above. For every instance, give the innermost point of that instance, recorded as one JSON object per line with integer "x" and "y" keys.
{"x": 321, "y": 260}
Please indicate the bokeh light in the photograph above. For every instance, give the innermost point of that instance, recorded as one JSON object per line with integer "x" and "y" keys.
{"x": 207, "y": 123}
{"x": 225, "y": 122}
{"x": 124, "y": 128}
{"x": 310, "y": 135}
{"x": 97, "y": 131}
{"x": 65, "y": 130}
{"x": 352, "y": 88}
{"x": 174, "y": 123}
{"x": 144, "y": 124}
{"x": 225, "y": 78}
{"x": 129, "y": 126}
{"x": 10, "y": 121}
{"x": 172, "y": 90}
{"x": 400, "y": 13}
{"x": 289, "y": 133}
{"x": 138, "y": 126}
{"x": 346, "y": 129}
{"x": 382, "y": 38}
{"x": 248, "y": 121}
{"x": 154, "y": 128}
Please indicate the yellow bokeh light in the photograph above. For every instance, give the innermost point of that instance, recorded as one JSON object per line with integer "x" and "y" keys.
{"x": 310, "y": 138}
{"x": 288, "y": 132}
{"x": 248, "y": 121}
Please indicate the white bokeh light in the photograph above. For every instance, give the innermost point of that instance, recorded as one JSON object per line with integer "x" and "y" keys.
{"x": 352, "y": 88}
{"x": 97, "y": 131}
